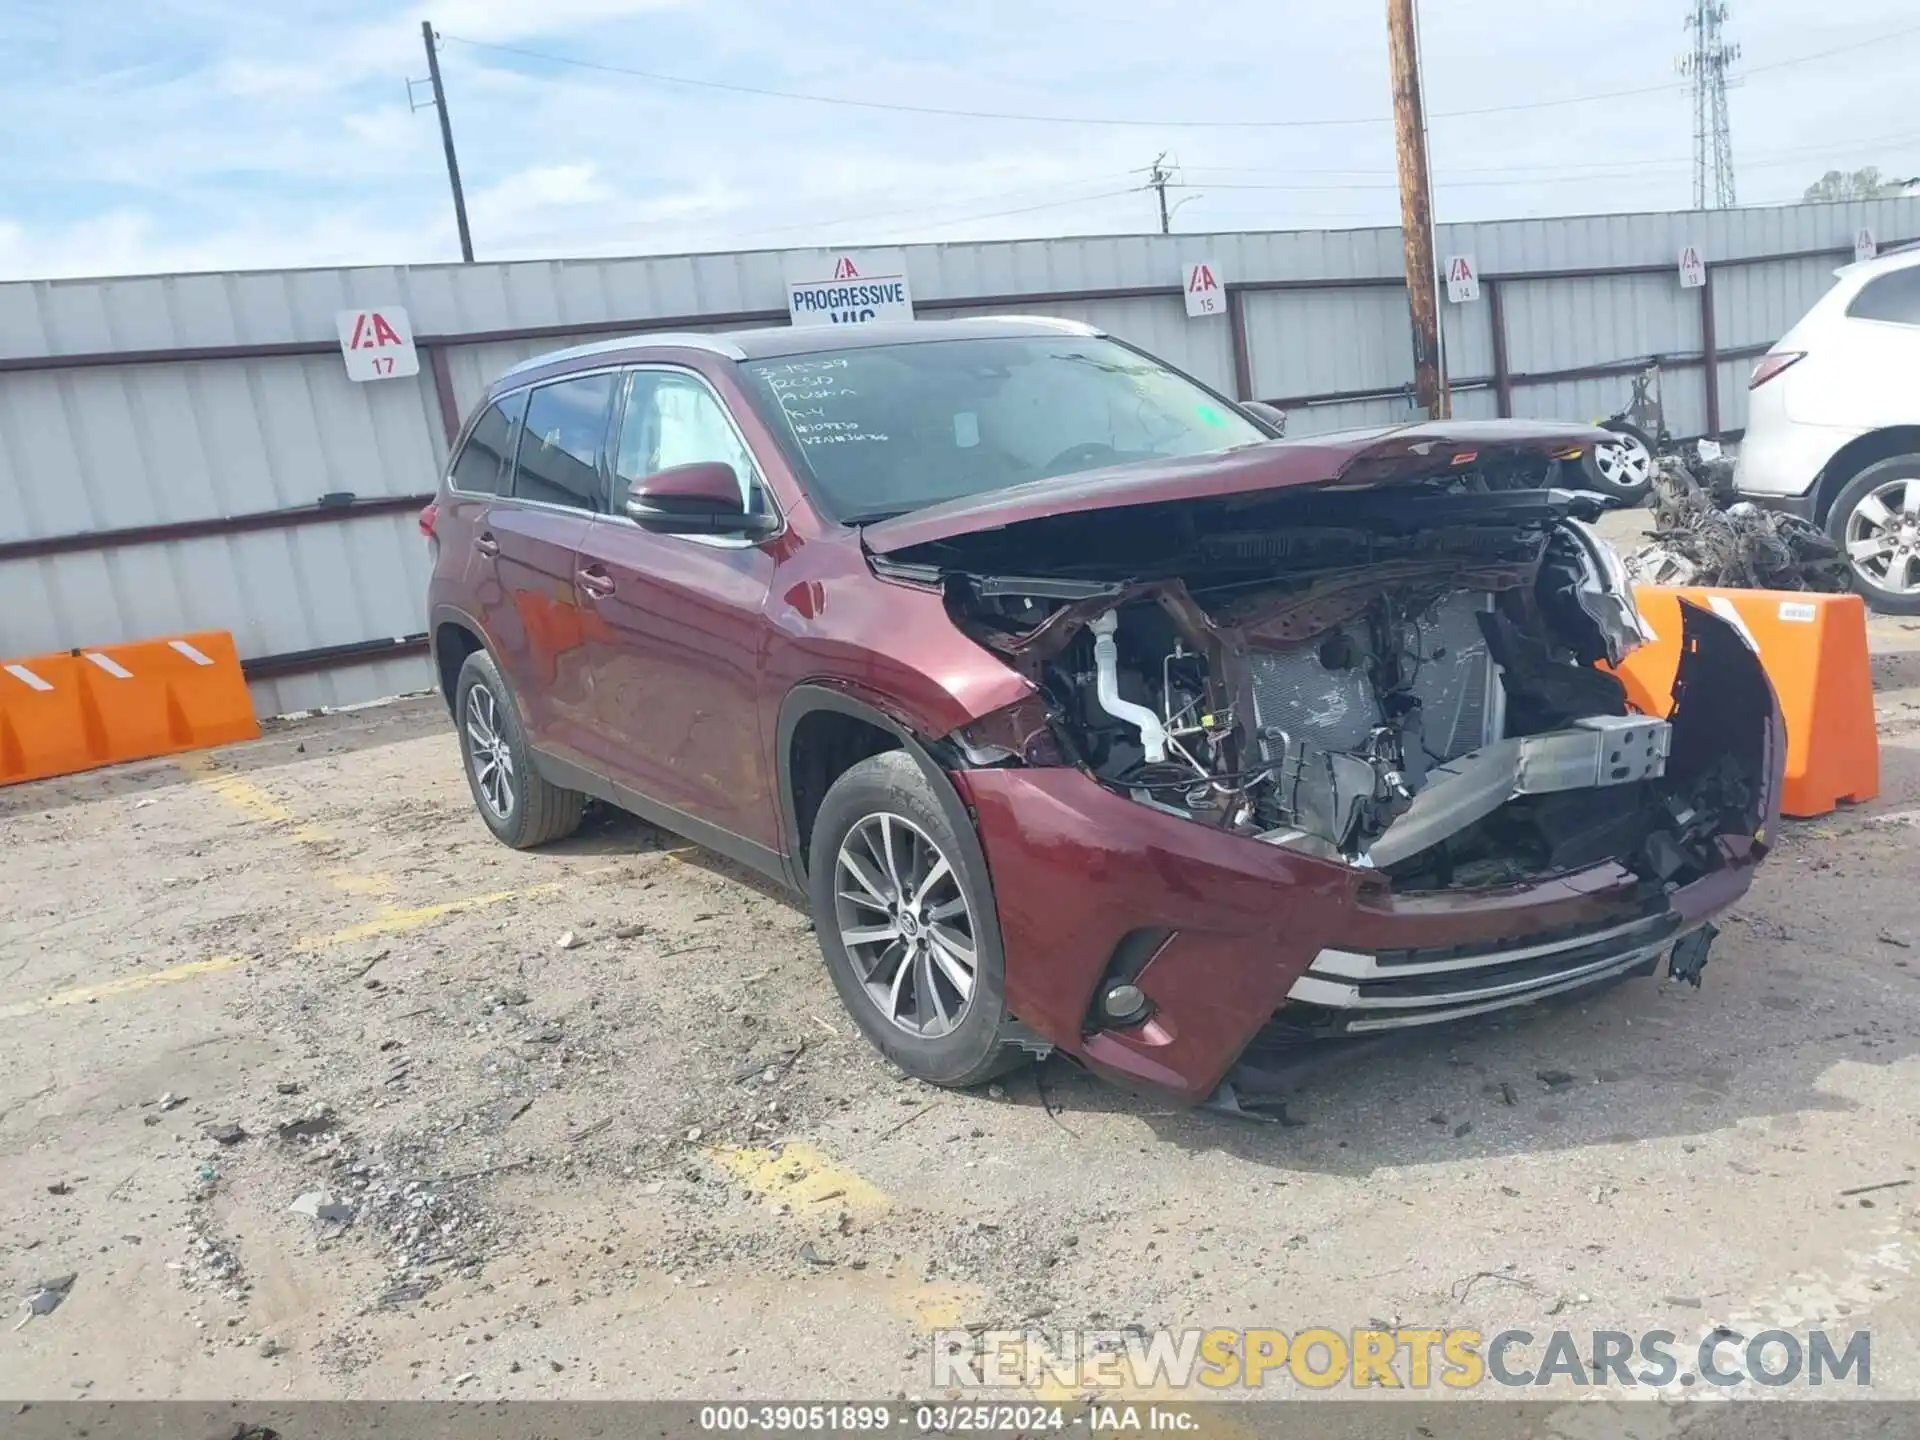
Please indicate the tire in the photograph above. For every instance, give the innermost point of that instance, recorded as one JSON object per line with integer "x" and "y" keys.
{"x": 519, "y": 807}
{"x": 1628, "y": 475}
{"x": 884, "y": 805}
{"x": 1882, "y": 503}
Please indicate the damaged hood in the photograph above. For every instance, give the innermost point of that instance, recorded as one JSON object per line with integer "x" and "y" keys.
{"x": 1389, "y": 455}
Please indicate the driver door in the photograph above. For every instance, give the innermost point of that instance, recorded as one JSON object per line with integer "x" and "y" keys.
{"x": 675, "y": 653}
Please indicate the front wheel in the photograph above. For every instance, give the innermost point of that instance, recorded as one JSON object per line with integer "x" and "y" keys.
{"x": 904, "y": 921}
{"x": 1876, "y": 521}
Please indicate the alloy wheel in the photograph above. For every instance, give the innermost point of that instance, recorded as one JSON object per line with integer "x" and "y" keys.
{"x": 906, "y": 925}
{"x": 1883, "y": 537}
{"x": 1624, "y": 462}
{"x": 487, "y": 752}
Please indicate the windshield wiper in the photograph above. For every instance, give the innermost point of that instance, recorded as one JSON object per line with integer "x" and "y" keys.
{"x": 870, "y": 517}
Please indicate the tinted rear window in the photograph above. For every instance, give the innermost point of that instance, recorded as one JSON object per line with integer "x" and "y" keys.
{"x": 1894, "y": 296}
{"x": 477, "y": 468}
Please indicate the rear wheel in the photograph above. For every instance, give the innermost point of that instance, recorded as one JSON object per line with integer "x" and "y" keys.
{"x": 1875, "y": 519}
{"x": 903, "y": 919}
{"x": 522, "y": 809}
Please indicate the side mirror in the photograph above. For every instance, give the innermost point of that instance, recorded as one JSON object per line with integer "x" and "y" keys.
{"x": 1268, "y": 414}
{"x": 698, "y": 499}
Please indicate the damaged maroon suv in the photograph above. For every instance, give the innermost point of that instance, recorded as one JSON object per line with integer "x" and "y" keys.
{"x": 1086, "y": 713}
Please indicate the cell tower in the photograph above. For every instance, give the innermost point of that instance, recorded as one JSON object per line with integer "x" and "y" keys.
{"x": 1706, "y": 65}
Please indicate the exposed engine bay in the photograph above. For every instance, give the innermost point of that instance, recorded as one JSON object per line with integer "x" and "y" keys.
{"x": 1399, "y": 679}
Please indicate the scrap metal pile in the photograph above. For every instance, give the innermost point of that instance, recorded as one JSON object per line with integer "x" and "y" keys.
{"x": 1699, "y": 539}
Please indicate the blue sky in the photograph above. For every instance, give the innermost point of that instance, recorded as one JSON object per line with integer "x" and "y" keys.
{"x": 156, "y": 135}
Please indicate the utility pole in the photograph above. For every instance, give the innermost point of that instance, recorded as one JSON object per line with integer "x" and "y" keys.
{"x": 1705, "y": 63}
{"x": 1158, "y": 178}
{"x": 1416, "y": 210}
{"x": 446, "y": 139}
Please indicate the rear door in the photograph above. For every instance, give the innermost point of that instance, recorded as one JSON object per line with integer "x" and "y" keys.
{"x": 674, "y": 649}
{"x": 557, "y": 486}
{"x": 466, "y": 567}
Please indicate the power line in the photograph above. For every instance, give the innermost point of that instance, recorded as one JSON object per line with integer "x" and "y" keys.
{"x": 914, "y": 215}
{"x": 1574, "y": 170}
{"x": 1131, "y": 122}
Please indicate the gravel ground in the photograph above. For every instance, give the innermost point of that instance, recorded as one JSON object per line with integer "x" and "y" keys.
{"x": 320, "y": 1093}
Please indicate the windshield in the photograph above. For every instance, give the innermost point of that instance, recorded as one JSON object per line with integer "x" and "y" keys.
{"x": 881, "y": 431}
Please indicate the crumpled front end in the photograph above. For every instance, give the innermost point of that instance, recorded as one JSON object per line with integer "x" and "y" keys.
{"x": 1354, "y": 768}
{"x": 1242, "y": 950}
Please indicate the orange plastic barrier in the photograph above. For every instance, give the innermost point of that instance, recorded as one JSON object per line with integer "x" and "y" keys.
{"x": 1814, "y": 650}
{"x": 64, "y": 713}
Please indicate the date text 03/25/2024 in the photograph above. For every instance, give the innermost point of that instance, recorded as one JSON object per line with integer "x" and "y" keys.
{"x": 945, "y": 1419}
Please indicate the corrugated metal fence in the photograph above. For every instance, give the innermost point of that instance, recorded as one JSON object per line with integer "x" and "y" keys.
{"x": 186, "y": 452}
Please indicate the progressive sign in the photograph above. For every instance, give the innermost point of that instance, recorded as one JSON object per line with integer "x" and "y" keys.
{"x": 854, "y": 294}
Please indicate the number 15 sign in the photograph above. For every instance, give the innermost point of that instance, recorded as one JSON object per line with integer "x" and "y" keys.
{"x": 377, "y": 344}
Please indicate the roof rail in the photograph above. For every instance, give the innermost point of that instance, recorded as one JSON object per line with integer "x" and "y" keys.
{"x": 689, "y": 340}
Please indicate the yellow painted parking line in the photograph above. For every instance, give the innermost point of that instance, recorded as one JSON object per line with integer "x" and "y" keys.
{"x": 246, "y": 797}
{"x": 125, "y": 985}
{"x": 352, "y": 883}
{"x": 395, "y": 920}
{"x": 801, "y": 1175}
{"x": 940, "y": 1307}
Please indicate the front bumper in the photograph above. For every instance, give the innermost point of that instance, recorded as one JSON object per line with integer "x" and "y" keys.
{"x": 1234, "y": 932}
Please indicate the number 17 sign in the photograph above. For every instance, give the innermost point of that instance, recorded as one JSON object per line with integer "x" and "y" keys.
{"x": 377, "y": 344}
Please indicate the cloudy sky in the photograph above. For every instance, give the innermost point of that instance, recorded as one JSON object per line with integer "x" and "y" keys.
{"x": 156, "y": 135}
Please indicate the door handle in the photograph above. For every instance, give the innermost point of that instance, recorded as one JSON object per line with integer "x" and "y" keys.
{"x": 595, "y": 581}
{"x": 486, "y": 544}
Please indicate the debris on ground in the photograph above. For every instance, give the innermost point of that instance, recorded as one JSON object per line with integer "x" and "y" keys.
{"x": 1882, "y": 1185}
{"x": 306, "y": 1127}
{"x": 321, "y": 1206}
{"x": 224, "y": 1134}
{"x": 1701, "y": 539}
{"x": 46, "y": 1296}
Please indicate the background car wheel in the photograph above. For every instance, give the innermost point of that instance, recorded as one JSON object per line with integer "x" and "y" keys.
{"x": 1876, "y": 521}
{"x": 520, "y": 808}
{"x": 1622, "y": 470}
{"x": 903, "y": 920}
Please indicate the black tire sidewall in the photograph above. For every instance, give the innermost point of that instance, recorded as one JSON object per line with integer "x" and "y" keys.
{"x": 1898, "y": 467}
{"x": 479, "y": 671}
{"x": 894, "y": 783}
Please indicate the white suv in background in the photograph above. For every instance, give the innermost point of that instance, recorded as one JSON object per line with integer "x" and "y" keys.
{"x": 1833, "y": 425}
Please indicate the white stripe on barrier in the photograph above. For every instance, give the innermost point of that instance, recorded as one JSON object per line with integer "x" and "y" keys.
{"x": 28, "y": 678}
{"x": 1723, "y": 607}
{"x": 192, "y": 654}
{"x": 112, "y": 666}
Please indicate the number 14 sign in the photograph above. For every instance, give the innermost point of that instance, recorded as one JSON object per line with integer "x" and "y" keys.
{"x": 377, "y": 344}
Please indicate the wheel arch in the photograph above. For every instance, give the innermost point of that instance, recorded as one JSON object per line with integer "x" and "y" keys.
{"x": 452, "y": 636}
{"x": 1887, "y": 443}
{"x": 811, "y": 710}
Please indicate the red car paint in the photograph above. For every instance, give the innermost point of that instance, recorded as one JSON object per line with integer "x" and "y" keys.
{"x": 671, "y": 675}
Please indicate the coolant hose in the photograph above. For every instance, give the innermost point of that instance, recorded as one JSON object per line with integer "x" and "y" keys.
{"x": 1106, "y": 667}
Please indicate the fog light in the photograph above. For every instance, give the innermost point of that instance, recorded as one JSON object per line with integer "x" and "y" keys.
{"x": 1125, "y": 1005}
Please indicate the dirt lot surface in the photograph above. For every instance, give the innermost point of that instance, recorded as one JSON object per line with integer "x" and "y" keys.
{"x": 589, "y": 1122}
